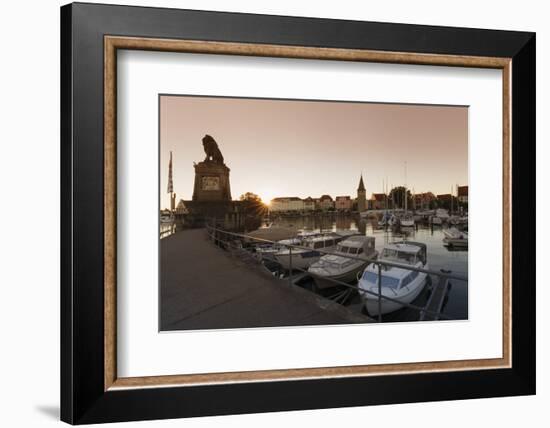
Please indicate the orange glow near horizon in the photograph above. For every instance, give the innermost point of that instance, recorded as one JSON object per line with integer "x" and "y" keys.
{"x": 267, "y": 195}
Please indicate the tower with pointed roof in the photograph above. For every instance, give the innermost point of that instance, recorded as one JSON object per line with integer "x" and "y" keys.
{"x": 361, "y": 196}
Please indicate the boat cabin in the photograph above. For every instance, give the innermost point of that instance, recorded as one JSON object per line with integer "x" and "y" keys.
{"x": 404, "y": 252}
{"x": 356, "y": 246}
{"x": 323, "y": 241}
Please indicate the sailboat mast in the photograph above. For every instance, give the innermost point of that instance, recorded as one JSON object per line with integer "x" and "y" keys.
{"x": 406, "y": 187}
{"x": 384, "y": 189}
{"x": 451, "y": 200}
{"x": 170, "y": 189}
{"x": 392, "y": 199}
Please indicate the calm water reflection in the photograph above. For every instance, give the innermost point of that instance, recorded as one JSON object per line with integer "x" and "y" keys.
{"x": 439, "y": 257}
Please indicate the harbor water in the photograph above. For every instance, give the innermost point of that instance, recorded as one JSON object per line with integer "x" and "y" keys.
{"x": 440, "y": 257}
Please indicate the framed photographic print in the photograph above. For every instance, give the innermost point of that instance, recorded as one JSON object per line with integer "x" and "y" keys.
{"x": 266, "y": 213}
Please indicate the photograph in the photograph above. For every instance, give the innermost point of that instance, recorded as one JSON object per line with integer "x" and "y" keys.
{"x": 296, "y": 212}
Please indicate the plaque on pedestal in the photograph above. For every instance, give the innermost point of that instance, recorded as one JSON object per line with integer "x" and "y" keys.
{"x": 211, "y": 175}
{"x": 211, "y": 182}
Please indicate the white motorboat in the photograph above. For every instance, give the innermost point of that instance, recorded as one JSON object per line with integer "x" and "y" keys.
{"x": 443, "y": 214}
{"x": 306, "y": 233}
{"x": 398, "y": 283}
{"x": 166, "y": 218}
{"x": 350, "y": 257}
{"x": 407, "y": 220}
{"x": 345, "y": 233}
{"x": 267, "y": 251}
{"x": 454, "y": 220}
{"x": 455, "y": 238}
{"x": 302, "y": 258}
{"x": 436, "y": 221}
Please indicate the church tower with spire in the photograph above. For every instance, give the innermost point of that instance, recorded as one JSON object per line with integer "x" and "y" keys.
{"x": 361, "y": 196}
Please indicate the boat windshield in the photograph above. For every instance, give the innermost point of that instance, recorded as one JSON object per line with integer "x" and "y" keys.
{"x": 387, "y": 281}
{"x": 399, "y": 256}
{"x": 343, "y": 249}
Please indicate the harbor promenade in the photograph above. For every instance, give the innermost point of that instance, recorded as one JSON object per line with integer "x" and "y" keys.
{"x": 205, "y": 287}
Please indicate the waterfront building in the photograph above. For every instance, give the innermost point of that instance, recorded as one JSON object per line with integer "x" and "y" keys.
{"x": 377, "y": 201}
{"x": 309, "y": 204}
{"x": 325, "y": 203}
{"x": 462, "y": 193}
{"x": 181, "y": 208}
{"x": 291, "y": 203}
{"x": 361, "y": 196}
{"x": 342, "y": 203}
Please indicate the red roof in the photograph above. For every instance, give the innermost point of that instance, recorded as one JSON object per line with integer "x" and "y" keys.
{"x": 462, "y": 190}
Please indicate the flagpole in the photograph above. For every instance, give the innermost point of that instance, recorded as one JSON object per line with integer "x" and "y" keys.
{"x": 170, "y": 184}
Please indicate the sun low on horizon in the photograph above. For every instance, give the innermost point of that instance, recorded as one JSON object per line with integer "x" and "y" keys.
{"x": 267, "y": 195}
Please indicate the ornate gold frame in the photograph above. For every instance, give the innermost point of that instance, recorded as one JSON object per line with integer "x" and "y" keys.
{"x": 112, "y": 43}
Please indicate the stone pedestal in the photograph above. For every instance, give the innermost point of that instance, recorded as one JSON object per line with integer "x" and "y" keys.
{"x": 211, "y": 182}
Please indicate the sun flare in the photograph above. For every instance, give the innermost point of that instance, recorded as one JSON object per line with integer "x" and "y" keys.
{"x": 267, "y": 195}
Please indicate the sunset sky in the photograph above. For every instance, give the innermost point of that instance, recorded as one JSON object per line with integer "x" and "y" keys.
{"x": 280, "y": 148}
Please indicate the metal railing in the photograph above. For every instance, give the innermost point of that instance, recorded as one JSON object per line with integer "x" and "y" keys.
{"x": 168, "y": 230}
{"x": 228, "y": 240}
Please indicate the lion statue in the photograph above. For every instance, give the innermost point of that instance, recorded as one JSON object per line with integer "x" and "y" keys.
{"x": 212, "y": 150}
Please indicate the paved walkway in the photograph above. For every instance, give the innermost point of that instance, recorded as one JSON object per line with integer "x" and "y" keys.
{"x": 205, "y": 287}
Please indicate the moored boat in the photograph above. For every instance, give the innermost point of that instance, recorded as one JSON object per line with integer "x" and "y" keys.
{"x": 407, "y": 220}
{"x": 443, "y": 214}
{"x": 302, "y": 258}
{"x": 436, "y": 221}
{"x": 166, "y": 218}
{"x": 267, "y": 251}
{"x": 455, "y": 238}
{"x": 350, "y": 257}
{"x": 400, "y": 284}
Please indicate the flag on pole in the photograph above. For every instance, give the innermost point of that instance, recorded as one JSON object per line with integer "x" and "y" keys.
{"x": 170, "y": 183}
